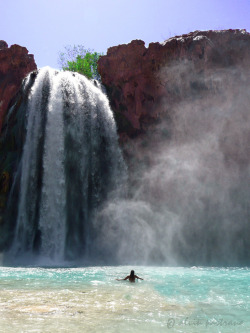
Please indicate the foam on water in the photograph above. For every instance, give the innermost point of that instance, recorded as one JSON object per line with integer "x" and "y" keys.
{"x": 91, "y": 300}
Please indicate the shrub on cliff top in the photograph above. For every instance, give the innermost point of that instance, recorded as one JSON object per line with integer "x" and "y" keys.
{"x": 78, "y": 59}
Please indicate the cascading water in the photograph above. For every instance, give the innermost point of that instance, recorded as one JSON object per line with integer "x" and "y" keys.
{"x": 71, "y": 164}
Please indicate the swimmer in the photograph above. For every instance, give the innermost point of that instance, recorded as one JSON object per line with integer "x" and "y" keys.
{"x": 131, "y": 277}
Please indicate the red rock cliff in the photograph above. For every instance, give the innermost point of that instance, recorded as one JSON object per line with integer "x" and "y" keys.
{"x": 143, "y": 83}
{"x": 15, "y": 64}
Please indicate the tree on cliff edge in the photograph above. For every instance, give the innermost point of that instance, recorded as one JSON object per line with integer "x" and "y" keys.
{"x": 78, "y": 59}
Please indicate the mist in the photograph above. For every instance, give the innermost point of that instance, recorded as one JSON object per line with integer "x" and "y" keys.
{"x": 189, "y": 192}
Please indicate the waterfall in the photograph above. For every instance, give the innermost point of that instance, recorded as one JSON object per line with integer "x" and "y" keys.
{"x": 71, "y": 164}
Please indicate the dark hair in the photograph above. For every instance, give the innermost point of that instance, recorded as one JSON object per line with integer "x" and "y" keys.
{"x": 132, "y": 273}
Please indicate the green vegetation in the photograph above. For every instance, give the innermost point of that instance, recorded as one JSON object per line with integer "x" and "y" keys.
{"x": 81, "y": 60}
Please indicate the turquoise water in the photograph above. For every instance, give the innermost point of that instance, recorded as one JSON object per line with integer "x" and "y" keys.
{"x": 91, "y": 300}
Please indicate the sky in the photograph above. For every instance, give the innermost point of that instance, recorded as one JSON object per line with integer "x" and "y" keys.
{"x": 45, "y": 27}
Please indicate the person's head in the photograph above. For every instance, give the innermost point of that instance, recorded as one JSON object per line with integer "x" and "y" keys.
{"x": 132, "y": 273}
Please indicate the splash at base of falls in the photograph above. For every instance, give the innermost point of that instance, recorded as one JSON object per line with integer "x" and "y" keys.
{"x": 71, "y": 164}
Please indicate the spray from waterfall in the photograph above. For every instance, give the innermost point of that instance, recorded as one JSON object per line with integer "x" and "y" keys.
{"x": 190, "y": 201}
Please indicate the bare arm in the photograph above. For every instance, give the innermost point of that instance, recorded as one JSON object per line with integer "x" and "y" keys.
{"x": 138, "y": 277}
{"x": 127, "y": 277}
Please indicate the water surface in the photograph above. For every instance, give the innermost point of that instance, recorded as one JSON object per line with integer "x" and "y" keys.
{"x": 91, "y": 300}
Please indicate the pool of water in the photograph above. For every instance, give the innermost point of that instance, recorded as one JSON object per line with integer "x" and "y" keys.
{"x": 89, "y": 299}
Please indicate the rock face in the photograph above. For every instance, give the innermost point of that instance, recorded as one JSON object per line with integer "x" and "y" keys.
{"x": 143, "y": 83}
{"x": 15, "y": 64}
{"x": 178, "y": 92}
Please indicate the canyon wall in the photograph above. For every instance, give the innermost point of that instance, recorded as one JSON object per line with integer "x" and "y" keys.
{"x": 143, "y": 83}
{"x": 202, "y": 71}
